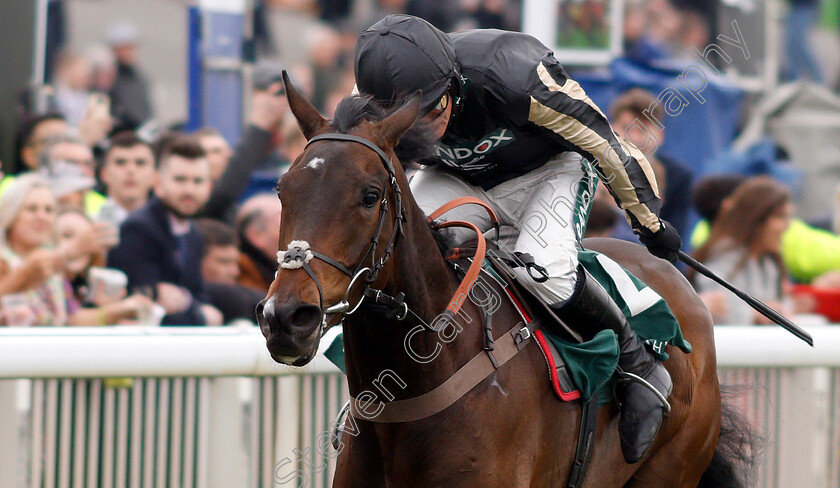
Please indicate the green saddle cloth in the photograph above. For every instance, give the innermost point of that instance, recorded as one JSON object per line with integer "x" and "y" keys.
{"x": 591, "y": 364}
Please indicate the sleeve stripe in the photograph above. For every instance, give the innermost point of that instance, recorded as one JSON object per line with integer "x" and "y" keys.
{"x": 631, "y": 177}
{"x": 580, "y": 135}
{"x": 571, "y": 88}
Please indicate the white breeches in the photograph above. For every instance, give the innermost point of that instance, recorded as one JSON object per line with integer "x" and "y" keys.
{"x": 545, "y": 210}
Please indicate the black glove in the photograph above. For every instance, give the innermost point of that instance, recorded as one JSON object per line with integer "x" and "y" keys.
{"x": 664, "y": 243}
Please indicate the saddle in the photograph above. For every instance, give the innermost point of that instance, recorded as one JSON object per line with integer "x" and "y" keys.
{"x": 498, "y": 265}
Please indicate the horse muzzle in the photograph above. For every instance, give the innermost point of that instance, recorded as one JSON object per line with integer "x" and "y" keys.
{"x": 291, "y": 330}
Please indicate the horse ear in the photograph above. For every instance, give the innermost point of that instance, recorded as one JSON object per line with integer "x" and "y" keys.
{"x": 308, "y": 118}
{"x": 391, "y": 128}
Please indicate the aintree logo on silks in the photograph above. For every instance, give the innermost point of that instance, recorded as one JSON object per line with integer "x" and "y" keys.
{"x": 463, "y": 155}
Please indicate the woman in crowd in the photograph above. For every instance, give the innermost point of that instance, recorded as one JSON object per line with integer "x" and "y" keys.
{"x": 102, "y": 303}
{"x": 744, "y": 247}
{"x": 33, "y": 290}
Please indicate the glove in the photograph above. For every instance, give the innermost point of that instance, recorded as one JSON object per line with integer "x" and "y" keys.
{"x": 663, "y": 243}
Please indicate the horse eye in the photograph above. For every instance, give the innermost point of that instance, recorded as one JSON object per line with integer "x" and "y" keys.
{"x": 370, "y": 199}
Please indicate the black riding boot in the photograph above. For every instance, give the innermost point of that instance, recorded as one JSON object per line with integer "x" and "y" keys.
{"x": 641, "y": 409}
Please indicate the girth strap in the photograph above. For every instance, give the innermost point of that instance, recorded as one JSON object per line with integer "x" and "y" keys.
{"x": 458, "y": 385}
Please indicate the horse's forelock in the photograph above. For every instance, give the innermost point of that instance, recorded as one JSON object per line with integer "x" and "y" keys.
{"x": 354, "y": 109}
{"x": 416, "y": 144}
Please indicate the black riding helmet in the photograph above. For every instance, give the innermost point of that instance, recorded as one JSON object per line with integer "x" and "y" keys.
{"x": 401, "y": 54}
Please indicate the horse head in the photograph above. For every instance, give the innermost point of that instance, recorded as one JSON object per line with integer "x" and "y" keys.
{"x": 341, "y": 218}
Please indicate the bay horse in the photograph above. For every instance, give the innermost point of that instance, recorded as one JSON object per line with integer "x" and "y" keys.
{"x": 348, "y": 217}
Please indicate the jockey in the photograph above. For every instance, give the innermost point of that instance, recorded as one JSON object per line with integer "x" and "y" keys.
{"x": 513, "y": 129}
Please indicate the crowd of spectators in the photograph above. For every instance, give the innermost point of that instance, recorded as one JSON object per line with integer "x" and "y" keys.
{"x": 747, "y": 232}
{"x": 103, "y": 220}
{"x": 103, "y": 224}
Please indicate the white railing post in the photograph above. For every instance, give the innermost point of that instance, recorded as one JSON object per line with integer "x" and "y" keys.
{"x": 9, "y": 431}
{"x": 225, "y": 442}
{"x": 803, "y": 433}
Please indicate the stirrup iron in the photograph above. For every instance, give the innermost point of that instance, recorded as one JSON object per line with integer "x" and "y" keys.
{"x": 632, "y": 377}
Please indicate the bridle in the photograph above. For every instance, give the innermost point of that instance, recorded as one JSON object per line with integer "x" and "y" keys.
{"x": 299, "y": 254}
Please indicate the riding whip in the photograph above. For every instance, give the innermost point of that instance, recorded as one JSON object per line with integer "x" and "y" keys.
{"x": 753, "y": 302}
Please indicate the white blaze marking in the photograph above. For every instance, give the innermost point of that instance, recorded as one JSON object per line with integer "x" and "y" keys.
{"x": 315, "y": 163}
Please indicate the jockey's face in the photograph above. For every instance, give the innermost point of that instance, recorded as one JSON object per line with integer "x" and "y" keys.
{"x": 439, "y": 117}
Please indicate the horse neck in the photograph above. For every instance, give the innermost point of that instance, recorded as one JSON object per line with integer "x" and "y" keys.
{"x": 374, "y": 344}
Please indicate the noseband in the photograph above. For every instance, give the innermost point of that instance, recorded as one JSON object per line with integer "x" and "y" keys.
{"x": 299, "y": 254}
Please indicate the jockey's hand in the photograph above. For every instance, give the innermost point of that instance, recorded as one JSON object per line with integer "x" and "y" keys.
{"x": 663, "y": 243}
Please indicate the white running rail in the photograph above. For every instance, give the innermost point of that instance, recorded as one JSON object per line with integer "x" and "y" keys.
{"x": 207, "y": 407}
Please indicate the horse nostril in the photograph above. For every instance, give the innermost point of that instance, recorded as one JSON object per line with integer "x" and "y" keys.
{"x": 299, "y": 316}
{"x": 306, "y": 314}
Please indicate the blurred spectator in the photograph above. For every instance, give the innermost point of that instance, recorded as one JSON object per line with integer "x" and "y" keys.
{"x": 73, "y": 75}
{"x": 484, "y": 14}
{"x": 33, "y": 135}
{"x": 635, "y": 115}
{"x": 710, "y": 193}
{"x": 33, "y": 290}
{"x": 258, "y": 225}
{"x": 807, "y": 252}
{"x": 128, "y": 173}
{"x": 130, "y": 104}
{"x": 744, "y": 248}
{"x": 69, "y": 149}
{"x": 602, "y": 218}
{"x": 220, "y": 270}
{"x": 695, "y": 35}
{"x": 801, "y": 62}
{"x": 104, "y": 67}
{"x": 442, "y": 13}
{"x": 220, "y": 253}
{"x": 263, "y": 40}
{"x": 102, "y": 303}
{"x": 217, "y": 149}
{"x": 293, "y": 142}
{"x": 325, "y": 61}
{"x": 160, "y": 247}
{"x": 67, "y": 164}
{"x": 651, "y": 29}
{"x": 334, "y": 11}
{"x": 268, "y": 109}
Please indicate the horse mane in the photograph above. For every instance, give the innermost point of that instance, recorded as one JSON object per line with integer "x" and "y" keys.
{"x": 416, "y": 144}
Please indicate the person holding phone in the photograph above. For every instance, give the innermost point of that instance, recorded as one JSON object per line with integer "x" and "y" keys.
{"x": 102, "y": 297}
{"x": 32, "y": 263}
